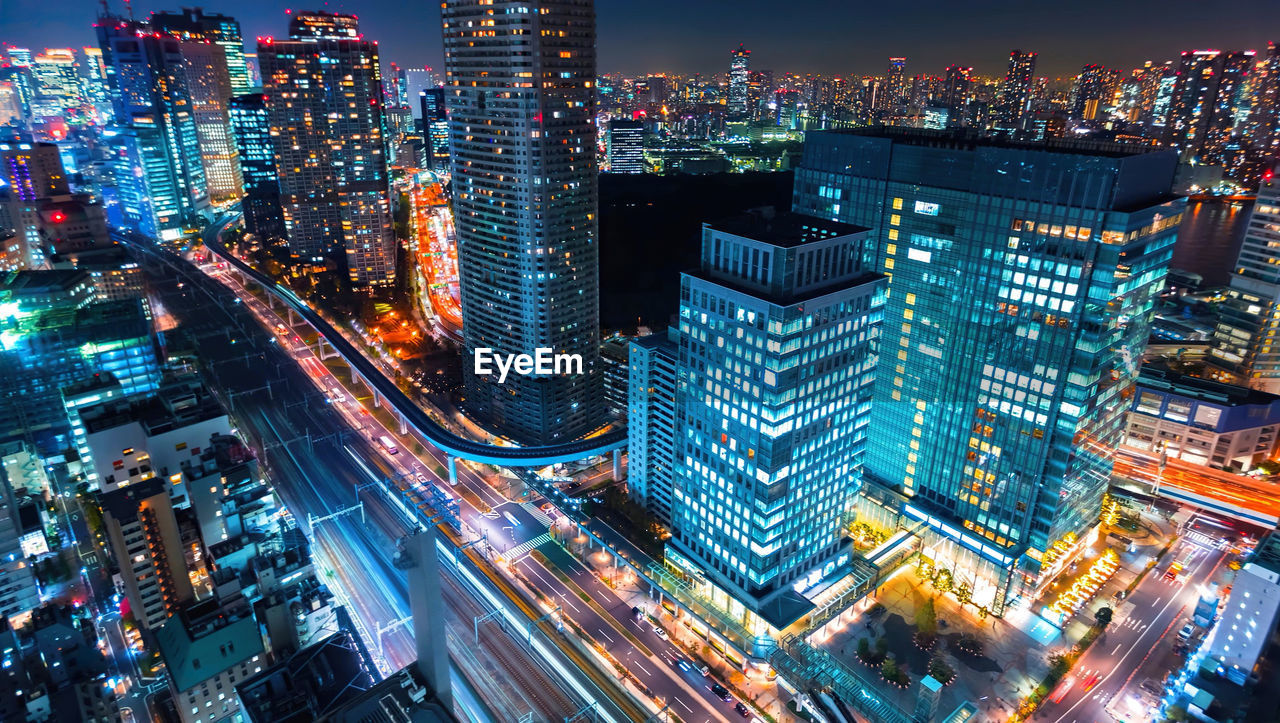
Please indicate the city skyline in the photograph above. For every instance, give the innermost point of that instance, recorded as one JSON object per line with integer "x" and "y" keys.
{"x": 672, "y": 37}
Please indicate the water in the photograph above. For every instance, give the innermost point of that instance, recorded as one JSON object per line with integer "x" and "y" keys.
{"x": 1209, "y": 239}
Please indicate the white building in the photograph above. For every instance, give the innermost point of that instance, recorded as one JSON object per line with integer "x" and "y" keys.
{"x": 1245, "y": 627}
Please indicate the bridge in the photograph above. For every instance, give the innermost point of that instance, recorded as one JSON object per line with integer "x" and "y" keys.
{"x": 1244, "y": 498}
{"x": 385, "y": 391}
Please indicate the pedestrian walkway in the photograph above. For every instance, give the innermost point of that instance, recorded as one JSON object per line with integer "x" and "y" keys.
{"x": 519, "y": 551}
{"x": 536, "y": 513}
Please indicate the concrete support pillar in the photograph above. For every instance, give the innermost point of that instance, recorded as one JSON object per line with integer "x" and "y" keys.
{"x": 293, "y": 319}
{"x": 419, "y": 556}
{"x": 404, "y": 428}
{"x": 617, "y": 464}
{"x": 453, "y": 470}
{"x": 377, "y": 401}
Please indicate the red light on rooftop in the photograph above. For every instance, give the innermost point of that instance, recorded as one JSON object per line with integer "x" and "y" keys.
{"x": 58, "y": 217}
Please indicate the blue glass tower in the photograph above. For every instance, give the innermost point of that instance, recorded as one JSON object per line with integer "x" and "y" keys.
{"x": 775, "y": 367}
{"x": 1022, "y": 279}
{"x": 251, "y": 127}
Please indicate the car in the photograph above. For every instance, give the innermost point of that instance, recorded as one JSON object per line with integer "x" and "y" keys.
{"x": 421, "y": 478}
{"x": 338, "y": 396}
{"x": 637, "y": 613}
{"x": 1170, "y": 575}
{"x": 660, "y": 632}
{"x": 1186, "y": 632}
{"x": 721, "y": 692}
{"x": 1091, "y": 681}
{"x": 742, "y": 709}
{"x": 706, "y": 672}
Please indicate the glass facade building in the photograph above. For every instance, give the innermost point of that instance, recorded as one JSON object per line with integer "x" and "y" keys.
{"x": 251, "y": 129}
{"x": 775, "y": 369}
{"x": 1244, "y": 343}
{"x": 1022, "y": 283}
{"x": 626, "y": 146}
{"x": 651, "y": 421}
{"x": 221, "y": 30}
{"x": 520, "y": 94}
{"x": 325, "y": 105}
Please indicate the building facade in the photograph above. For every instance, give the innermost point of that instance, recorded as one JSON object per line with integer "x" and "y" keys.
{"x": 651, "y": 421}
{"x": 626, "y": 146}
{"x": 1204, "y": 104}
{"x": 774, "y": 376}
{"x": 329, "y": 144}
{"x": 142, "y": 534}
{"x": 1244, "y": 349}
{"x": 739, "y": 82}
{"x": 1015, "y": 92}
{"x": 221, "y": 30}
{"x": 1022, "y": 283}
{"x": 251, "y": 128}
{"x": 521, "y": 109}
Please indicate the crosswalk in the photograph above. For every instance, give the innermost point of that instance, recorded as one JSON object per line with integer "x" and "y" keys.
{"x": 519, "y": 551}
{"x": 536, "y": 513}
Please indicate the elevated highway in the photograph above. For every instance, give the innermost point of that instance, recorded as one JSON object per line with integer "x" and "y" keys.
{"x": 1243, "y": 498}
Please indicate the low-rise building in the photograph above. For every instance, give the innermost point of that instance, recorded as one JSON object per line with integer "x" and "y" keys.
{"x": 143, "y": 536}
{"x": 208, "y": 649}
{"x": 1203, "y": 421}
{"x": 1244, "y": 630}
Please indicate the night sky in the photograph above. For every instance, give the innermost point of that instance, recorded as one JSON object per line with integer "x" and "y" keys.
{"x": 845, "y": 37}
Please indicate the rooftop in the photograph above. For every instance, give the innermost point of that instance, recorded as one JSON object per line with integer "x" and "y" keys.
{"x": 970, "y": 140}
{"x": 191, "y": 660}
{"x": 784, "y": 229}
{"x": 1204, "y": 390}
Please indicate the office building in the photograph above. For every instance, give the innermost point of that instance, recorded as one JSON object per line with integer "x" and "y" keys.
{"x": 142, "y": 534}
{"x": 417, "y": 80}
{"x": 209, "y": 86}
{"x": 55, "y": 335}
{"x": 1202, "y": 421}
{"x": 435, "y": 128}
{"x": 1262, "y": 130}
{"x": 1243, "y": 633}
{"x": 526, "y": 217}
{"x": 1244, "y": 349}
{"x": 329, "y": 145}
{"x": 625, "y": 146}
{"x": 1204, "y": 103}
{"x": 221, "y": 30}
{"x": 896, "y": 87}
{"x": 57, "y": 85}
{"x": 956, "y": 89}
{"x": 31, "y": 173}
{"x": 155, "y": 145}
{"x": 739, "y": 80}
{"x": 651, "y": 421}
{"x": 1022, "y": 284}
{"x": 774, "y": 375}
{"x": 307, "y": 684}
{"x": 251, "y": 128}
{"x": 1015, "y": 92}
{"x": 93, "y": 81}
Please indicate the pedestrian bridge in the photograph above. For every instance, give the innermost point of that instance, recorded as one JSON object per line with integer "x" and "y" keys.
{"x": 385, "y": 391}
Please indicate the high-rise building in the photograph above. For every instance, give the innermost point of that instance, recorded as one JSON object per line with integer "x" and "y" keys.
{"x": 93, "y": 82}
{"x": 251, "y": 128}
{"x": 157, "y": 164}
{"x": 435, "y": 128}
{"x": 739, "y": 80}
{"x": 897, "y": 86}
{"x": 1092, "y": 91}
{"x": 525, "y": 200}
{"x": 19, "y": 593}
{"x": 1261, "y": 130}
{"x": 956, "y": 89}
{"x": 651, "y": 421}
{"x": 209, "y": 86}
{"x": 325, "y": 105}
{"x": 142, "y": 534}
{"x": 774, "y": 375}
{"x": 1204, "y": 104}
{"x": 1020, "y": 301}
{"x": 221, "y": 30}
{"x": 1015, "y": 92}
{"x": 417, "y": 80}
{"x": 57, "y": 84}
{"x": 1243, "y": 350}
{"x": 625, "y": 146}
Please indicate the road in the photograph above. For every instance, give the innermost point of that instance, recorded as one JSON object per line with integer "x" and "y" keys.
{"x": 1253, "y": 500}
{"x": 1126, "y": 655}
{"x": 316, "y": 462}
{"x": 650, "y": 659}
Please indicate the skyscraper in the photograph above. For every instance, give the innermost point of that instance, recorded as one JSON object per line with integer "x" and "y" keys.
{"x": 739, "y": 80}
{"x": 1243, "y": 350}
{"x": 775, "y": 370}
{"x": 1204, "y": 103}
{"x": 1020, "y": 301}
{"x": 161, "y": 180}
{"x": 143, "y": 536}
{"x": 1264, "y": 116}
{"x": 435, "y": 127}
{"x": 57, "y": 84}
{"x": 626, "y": 146}
{"x": 956, "y": 88}
{"x": 325, "y": 104}
{"x": 222, "y": 30}
{"x": 896, "y": 85}
{"x": 522, "y": 138}
{"x": 1092, "y": 91}
{"x": 1015, "y": 92}
{"x": 251, "y": 129}
{"x": 209, "y": 86}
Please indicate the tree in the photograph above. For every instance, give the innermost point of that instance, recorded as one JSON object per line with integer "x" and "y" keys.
{"x": 889, "y": 669}
{"x": 964, "y": 593}
{"x": 864, "y": 649}
{"x": 1103, "y": 616}
{"x": 941, "y": 672}
{"x": 882, "y": 647}
{"x": 927, "y": 618}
